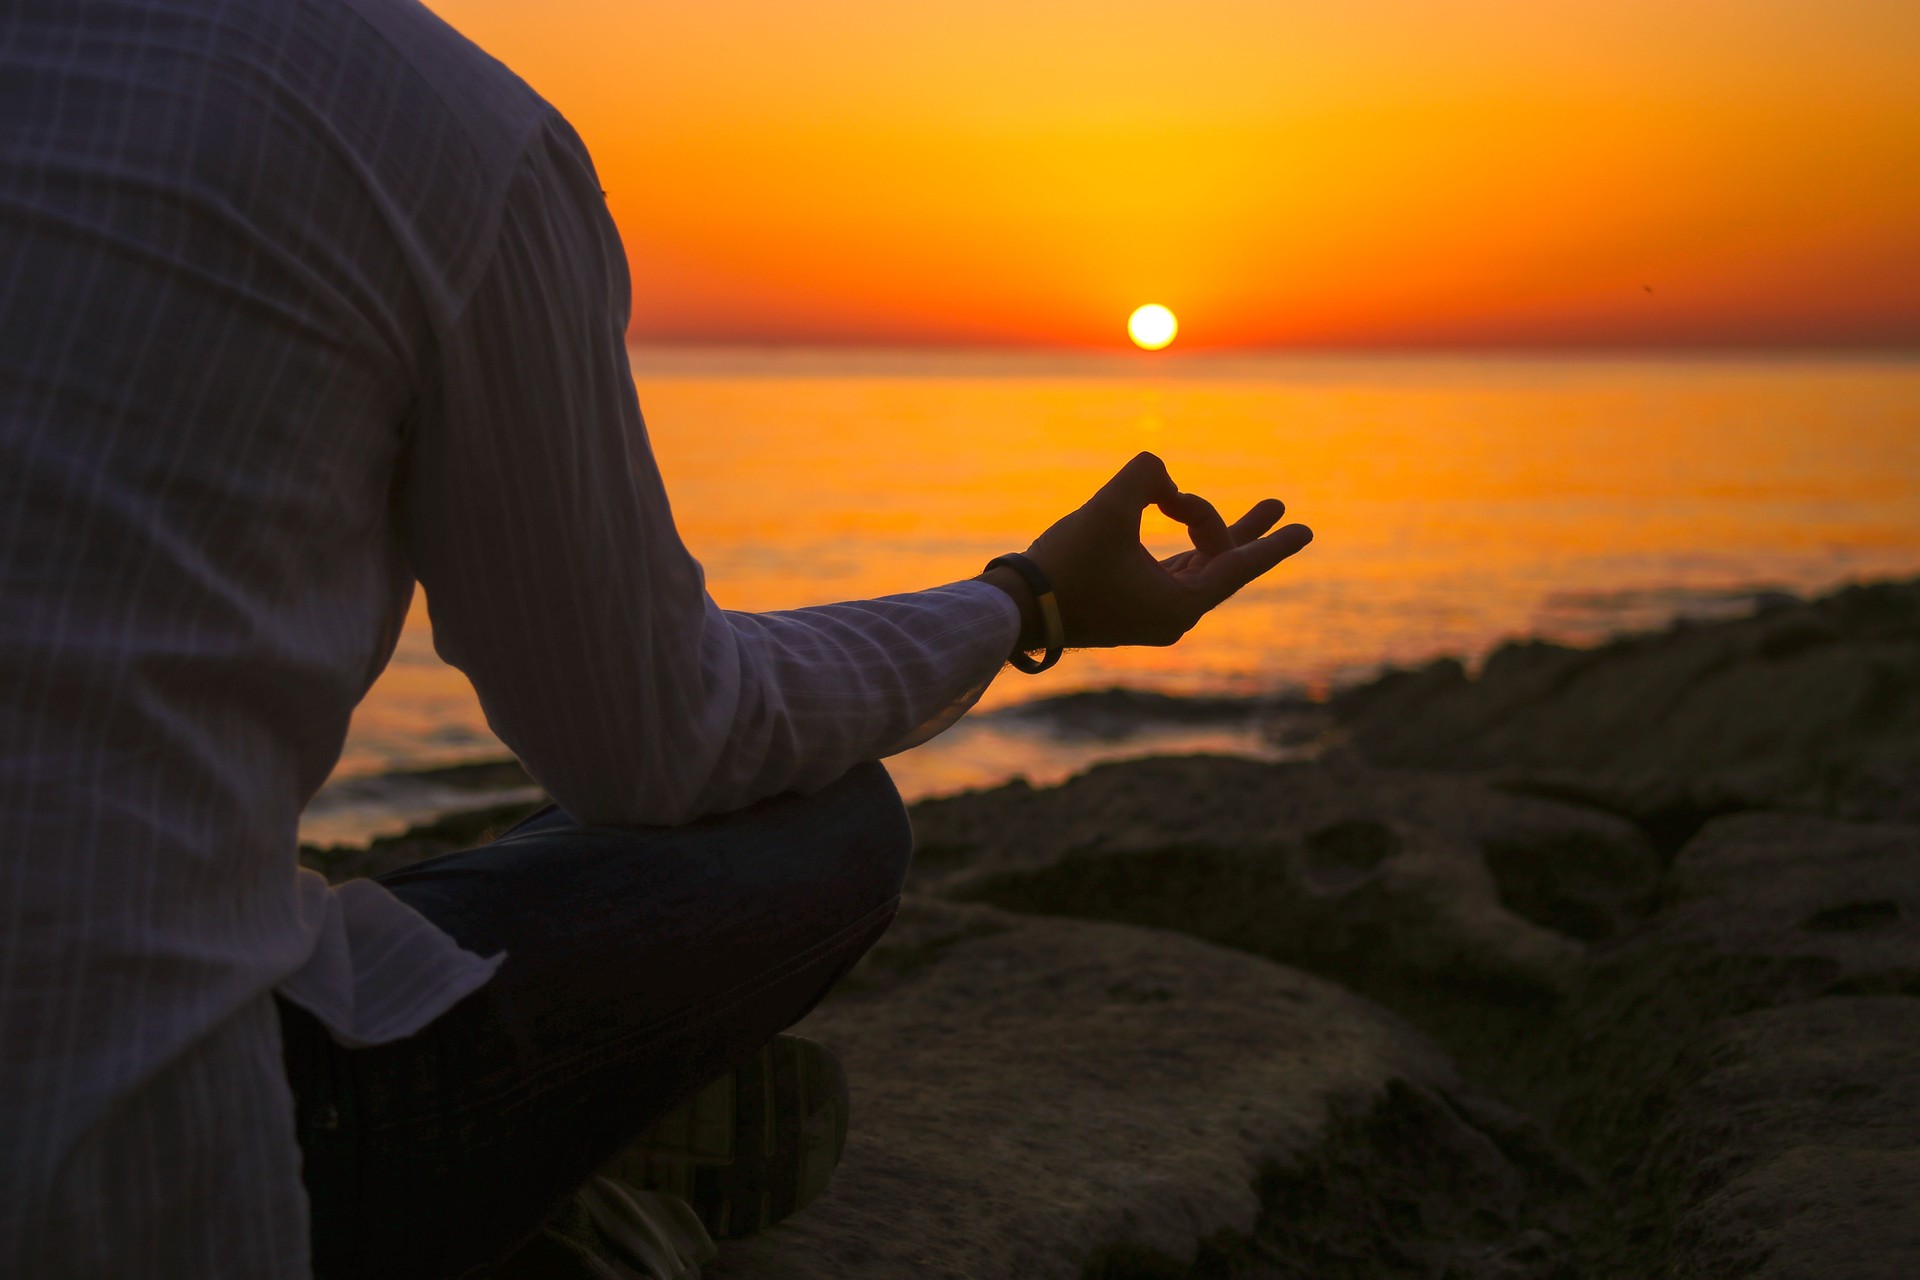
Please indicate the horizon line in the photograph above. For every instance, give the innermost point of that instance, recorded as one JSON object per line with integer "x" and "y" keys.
{"x": 1687, "y": 350}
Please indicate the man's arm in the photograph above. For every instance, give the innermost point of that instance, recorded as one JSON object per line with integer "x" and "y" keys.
{"x": 539, "y": 526}
{"x": 537, "y": 522}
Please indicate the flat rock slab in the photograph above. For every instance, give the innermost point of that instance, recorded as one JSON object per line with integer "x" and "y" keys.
{"x": 1797, "y": 1147}
{"x": 1052, "y": 1098}
{"x": 1840, "y": 899}
{"x": 1753, "y": 1054}
{"x": 1762, "y": 910}
{"x": 1410, "y": 887}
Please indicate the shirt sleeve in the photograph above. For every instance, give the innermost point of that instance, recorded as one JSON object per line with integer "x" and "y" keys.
{"x": 537, "y": 522}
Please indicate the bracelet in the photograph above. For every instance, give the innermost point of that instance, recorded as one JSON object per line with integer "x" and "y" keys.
{"x": 1042, "y": 589}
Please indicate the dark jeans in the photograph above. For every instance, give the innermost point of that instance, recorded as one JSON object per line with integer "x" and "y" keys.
{"x": 641, "y": 963}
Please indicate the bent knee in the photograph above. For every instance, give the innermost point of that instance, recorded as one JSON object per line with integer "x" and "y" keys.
{"x": 885, "y": 834}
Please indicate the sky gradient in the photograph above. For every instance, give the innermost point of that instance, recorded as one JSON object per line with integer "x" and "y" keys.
{"x": 1363, "y": 174}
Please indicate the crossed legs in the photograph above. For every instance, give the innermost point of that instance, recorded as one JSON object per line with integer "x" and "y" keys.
{"x": 641, "y": 963}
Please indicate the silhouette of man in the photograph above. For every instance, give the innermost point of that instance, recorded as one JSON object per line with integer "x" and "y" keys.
{"x": 306, "y": 301}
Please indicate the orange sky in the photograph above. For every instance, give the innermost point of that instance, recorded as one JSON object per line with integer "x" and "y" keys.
{"x": 1280, "y": 173}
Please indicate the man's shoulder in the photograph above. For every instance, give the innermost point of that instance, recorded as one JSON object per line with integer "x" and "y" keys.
{"x": 431, "y": 124}
{"x": 481, "y": 94}
{"x": 382, "y": 73}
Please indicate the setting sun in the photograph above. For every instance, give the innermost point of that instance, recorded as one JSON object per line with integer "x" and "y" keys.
{"x": 1152, "y": 327}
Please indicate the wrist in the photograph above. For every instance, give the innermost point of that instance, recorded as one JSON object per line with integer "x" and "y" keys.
{"x": 1052, "y": 631}
{"x": 1033, "y": 628}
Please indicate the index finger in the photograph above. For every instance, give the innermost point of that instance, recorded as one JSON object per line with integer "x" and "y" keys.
{"x": 1142, "y": 482}
{"x": 1204, "y": 525}
{"x": 1229, "y": 572}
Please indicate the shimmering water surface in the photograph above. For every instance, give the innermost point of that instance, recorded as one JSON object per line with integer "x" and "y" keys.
{"x": 1457, "y": 501}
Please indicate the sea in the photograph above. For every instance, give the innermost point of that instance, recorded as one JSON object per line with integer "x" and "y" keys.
{"x": 1458, "y": 501}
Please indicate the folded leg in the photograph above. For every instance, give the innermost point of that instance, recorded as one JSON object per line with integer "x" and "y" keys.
{"x": 641, "y": 963}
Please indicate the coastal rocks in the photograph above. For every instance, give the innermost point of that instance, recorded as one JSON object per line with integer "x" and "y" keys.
{"x": 1039, "y": 1097}
{"x": 449, "y": 834}
{"x": 1836, "y": 903}
{"x": 1729, "y": 1045}
{"x": 1664, "y": 895}
{"x": 1812, "y": 707}
{"x": 1734, "y": 1043}
{"x": 1795, "y": 1149}
{"x": 1749, "y": 1061}
{"x": 347, "y": 808}
{"x": 1424, "y": 891}
{"x": 1759, "y": 911}
{"x": 1115, "y": 714}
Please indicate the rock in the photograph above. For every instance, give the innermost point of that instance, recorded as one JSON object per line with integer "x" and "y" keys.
{"x": 1417, "y": 889}
{"x": 1117, "y": 713}
{"x": 1796, "y": 1147}
{"x": 1838, "y": 902}
{"x": 1748, "y": 1060}
{"x": 1039, "y": 1097}
{"x": 1727, "y": 1032}
{"x": 450, "y": 834}
{"x": 1813, "y": 707}
{"x": 504, "y": 773}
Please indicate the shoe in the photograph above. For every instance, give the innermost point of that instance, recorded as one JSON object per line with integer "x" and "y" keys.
{"x": 754, "y": 1146}
{"x": 613, "y": 1232}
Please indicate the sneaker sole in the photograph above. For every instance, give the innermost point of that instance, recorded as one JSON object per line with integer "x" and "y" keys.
{"x": 753, "y": 1147}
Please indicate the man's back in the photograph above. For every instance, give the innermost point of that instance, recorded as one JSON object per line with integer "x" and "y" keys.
{"x": 306, "y": 299}
{"x": 230, "y": 233}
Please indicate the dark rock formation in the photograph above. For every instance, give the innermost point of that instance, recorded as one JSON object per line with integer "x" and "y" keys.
{"x": 1433, "y": 893}
{"x": 1813, "y": 707}
{"x": 1056, "y": 1098}
{"x": 450, "y": 834}
{"x": 1112, "y": 714}
{"x": 1749, "y": 1061}
{"x": 1654, "y": 905}
{"x": 1791, "y": 1144}
{"x": 1738, "y": 1054}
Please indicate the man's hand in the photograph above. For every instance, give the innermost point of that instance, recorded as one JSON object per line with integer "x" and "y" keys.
{"x": 1110, "y": 588}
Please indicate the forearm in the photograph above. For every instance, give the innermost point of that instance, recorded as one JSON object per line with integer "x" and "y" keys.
{"x": 826, "y": 687}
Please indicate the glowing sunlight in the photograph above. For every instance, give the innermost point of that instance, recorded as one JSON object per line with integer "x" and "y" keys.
{"x": 1152, "y": 327}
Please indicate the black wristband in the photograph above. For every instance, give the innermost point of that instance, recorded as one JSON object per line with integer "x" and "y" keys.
{"x": 1036, "y": 580}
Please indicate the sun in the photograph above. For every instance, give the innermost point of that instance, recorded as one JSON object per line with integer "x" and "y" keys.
{"x": 1152, "y": 327}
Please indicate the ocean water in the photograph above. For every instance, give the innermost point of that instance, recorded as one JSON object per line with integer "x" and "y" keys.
{"x": 1458, "y": 502}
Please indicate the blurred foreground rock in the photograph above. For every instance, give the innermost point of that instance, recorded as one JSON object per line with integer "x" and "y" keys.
{"x": 450, "y": 834}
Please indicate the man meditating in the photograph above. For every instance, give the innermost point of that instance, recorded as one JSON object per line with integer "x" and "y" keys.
{"x": 306, "y": 301}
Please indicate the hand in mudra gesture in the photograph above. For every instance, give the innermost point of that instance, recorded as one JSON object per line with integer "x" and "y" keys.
{"x": 1110, "y": 588}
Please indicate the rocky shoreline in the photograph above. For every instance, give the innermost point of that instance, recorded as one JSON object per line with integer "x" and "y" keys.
{"x": 1595, "y": 963}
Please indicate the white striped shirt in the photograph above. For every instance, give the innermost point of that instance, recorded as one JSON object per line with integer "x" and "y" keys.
{"x": 304, "y": 300}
